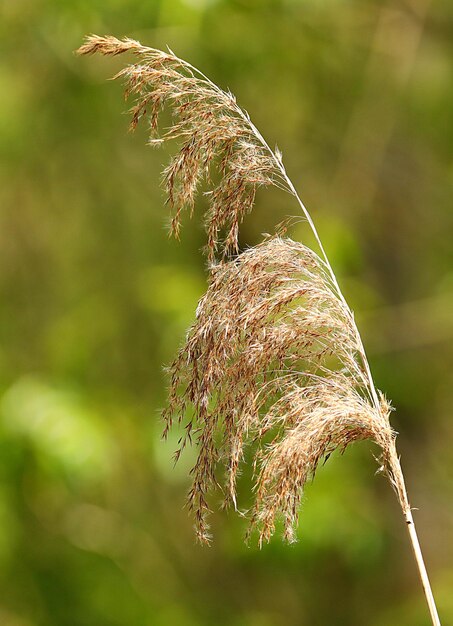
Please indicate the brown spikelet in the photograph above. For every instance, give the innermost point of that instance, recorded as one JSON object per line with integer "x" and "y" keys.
{"x": 214, "y": 134}
{"x": 108, "y": 45}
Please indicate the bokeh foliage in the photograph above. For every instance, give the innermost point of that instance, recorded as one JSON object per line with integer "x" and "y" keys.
{"x": 95, "y": 298}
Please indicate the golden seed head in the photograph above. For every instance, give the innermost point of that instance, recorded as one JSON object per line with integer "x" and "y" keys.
{"x": 274, "y": 357}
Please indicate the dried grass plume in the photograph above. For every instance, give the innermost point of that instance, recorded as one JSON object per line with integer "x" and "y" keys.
{"x": 274, "y": 360}
{"x": 274, "y": 356}
{"x": 275, "y": 346}
{"x": 214, "y": 134}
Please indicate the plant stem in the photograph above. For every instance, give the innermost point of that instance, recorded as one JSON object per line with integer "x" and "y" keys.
{"x": 422, "y": 568}
{"x": 396, "y": 477}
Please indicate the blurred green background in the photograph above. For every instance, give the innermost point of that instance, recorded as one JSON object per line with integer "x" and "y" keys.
{"x": 95, "y": 298}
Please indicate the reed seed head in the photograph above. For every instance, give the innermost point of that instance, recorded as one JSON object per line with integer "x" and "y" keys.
{"x": 274, "y": 360}
{"x": 214, "y": 136}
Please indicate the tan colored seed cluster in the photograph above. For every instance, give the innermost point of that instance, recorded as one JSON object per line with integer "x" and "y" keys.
{"x": 274, "y": 360}
{"x": 215, "y": 138}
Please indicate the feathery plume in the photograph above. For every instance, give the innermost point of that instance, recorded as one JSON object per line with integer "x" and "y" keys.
{"x": 273, "y": 350}
{"x": 274, "y": 357}
{"x": 213, "y": 132}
